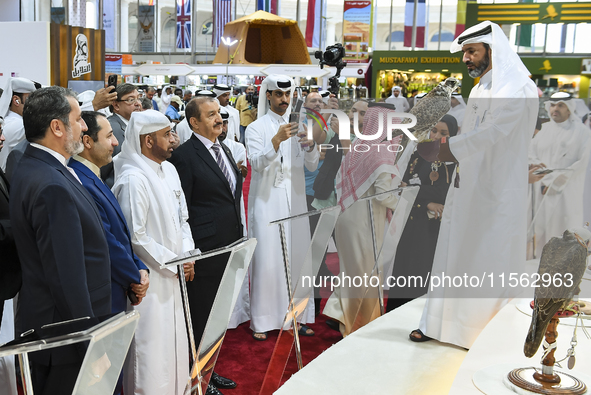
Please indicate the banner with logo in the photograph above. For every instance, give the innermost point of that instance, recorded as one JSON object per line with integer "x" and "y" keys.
{"x": 109, "y": 23}
{"x": 113, "y": 64}
{"x": 356, "y": 31}
{"x": 146, "y": 28}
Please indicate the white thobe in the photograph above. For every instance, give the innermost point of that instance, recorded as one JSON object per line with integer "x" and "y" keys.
{"x": 233, "y": 123}
{"x": 241, "y": 311}
{"x": 267, "y": 202}
{"x": 183, "y": 130}
{"x": 7, "y": 370}
{"x": 158, "y": 360}
{"x": 565, "y": 145}
{"x": 484, "y": 222}
{"x": 400, "y": 102}
{"x": 165, "y": 99}
{"x": 356, "y": 306}
{"x": 14, "y": 132}
{"x": 458, "y": 113}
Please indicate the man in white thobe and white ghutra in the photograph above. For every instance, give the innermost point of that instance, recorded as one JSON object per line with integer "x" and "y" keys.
{"x": 152, "y": 200}
{"x": 241, "y": 311}
{"x": 458, "y": 108}
{"x": 483, "y": 228}
{"x": 562, "y": 145}
{"x": 223, "y": 95}
{"x": 12, "y": 103}
{"x": 277, "y": 191}
{"x": 399, "y": 101}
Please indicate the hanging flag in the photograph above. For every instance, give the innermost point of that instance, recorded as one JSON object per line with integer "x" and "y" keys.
{"x": 267, "y": 5}
{"x": 183, "y": 23}
{"x": 222, "y": 14}
{"x": 313, "y": 23}
{"x": 108, "y": 25}
{"x": 461, "y": 17}
{"x": 409, "y": 12}
{"x": 523, "y": 37}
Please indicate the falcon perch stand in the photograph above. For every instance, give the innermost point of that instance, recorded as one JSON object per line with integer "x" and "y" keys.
{"x": 547, "y": 381}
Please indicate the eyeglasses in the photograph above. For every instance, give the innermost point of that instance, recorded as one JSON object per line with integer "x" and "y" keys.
{"x": 132, "y": 100}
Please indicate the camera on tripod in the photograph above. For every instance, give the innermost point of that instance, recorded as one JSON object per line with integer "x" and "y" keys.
{"x": 333, "y": 56}
{"x": 253, "y": 100}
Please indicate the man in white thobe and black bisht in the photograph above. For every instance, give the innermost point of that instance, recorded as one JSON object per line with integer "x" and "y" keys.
{"x": 483, "y": 228}
{"x": 149, "y": 191}
{"x": 562, "y": 145}
{"x": 277, "y": 158}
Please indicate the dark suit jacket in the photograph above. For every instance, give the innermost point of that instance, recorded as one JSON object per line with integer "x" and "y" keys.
{"x": 10, "y": 268}
{"x": 214, "y": 214}
{"x": 62, "y": 249}
{"x": 107, "y": 171}
{"x": 14, "y": 157}
{"x": 214, "y": 218}
{"x": 125, "y": 265}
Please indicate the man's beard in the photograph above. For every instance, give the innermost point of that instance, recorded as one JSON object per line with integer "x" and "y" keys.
{"x": 73, "y": 147}
{"x": 478, "y": 70}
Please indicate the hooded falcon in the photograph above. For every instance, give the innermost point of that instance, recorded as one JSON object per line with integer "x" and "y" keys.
{"x": 561, "y": 257}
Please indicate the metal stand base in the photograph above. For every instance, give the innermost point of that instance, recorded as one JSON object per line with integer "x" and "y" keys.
{"x": 524, "y": 378}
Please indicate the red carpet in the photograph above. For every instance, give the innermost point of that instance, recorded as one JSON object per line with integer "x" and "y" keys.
{"x": 245, "y": 360}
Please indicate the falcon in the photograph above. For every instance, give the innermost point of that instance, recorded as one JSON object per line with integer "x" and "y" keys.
{"x": 561, "y": 257}
{"x": 429, "y": 110}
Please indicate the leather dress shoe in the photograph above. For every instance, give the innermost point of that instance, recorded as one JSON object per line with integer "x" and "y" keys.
{"x": 212, "y": 390}
{"x": 221, "y": 382}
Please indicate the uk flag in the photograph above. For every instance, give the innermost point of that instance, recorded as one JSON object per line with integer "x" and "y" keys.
{"x": 183, "y": 23}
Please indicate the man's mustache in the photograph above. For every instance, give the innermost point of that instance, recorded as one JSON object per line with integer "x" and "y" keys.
{"x": 218, "y": 124}
{"x": 468, "y": 63}
{"x": 284, "y": 103}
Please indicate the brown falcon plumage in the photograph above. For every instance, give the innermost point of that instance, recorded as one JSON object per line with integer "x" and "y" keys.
{"x": 429, "y": 110}
{"x": 561, "y": 255}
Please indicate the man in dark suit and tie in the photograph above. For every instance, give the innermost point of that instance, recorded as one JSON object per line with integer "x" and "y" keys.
{"x": 128, "y": 272}
{"x": 59, "y": 235}
{"x": 129, "y": 275}
{"x": 212, "y": 184}
{"x": 128, "y": 101}
{"x": 10, "y": 268}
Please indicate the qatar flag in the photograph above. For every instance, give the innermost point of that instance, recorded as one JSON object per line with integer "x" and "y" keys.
{"x": 409, "y": 11}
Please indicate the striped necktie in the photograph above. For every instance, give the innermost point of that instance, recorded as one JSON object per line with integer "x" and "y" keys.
{"x": 221, "y": 163}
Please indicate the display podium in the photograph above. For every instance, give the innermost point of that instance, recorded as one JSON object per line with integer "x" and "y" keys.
{"x": 109, "y": 339}
{"x": 205, "y": 354}
{"x": 300, "y": 294}
{"x": 384, "y": 256}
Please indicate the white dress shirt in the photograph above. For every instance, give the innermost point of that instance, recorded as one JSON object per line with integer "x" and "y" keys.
{"x": 208, "y": 144}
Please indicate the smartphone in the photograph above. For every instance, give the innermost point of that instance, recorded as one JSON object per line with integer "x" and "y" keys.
{"x": 112, "y": 81}
{"x": 542, "y": 171}
{"x": 295, "y": 114}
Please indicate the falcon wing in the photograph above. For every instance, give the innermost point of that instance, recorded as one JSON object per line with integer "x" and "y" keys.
{"x": 559, "y": 257}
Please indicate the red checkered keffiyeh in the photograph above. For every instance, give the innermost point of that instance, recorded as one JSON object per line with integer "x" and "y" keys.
{"x": 367, "y": 159}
